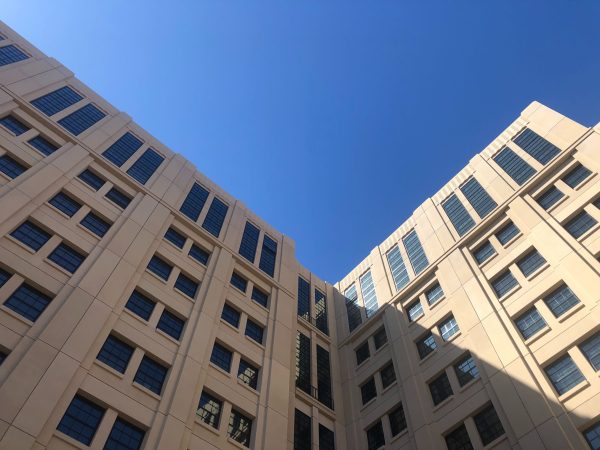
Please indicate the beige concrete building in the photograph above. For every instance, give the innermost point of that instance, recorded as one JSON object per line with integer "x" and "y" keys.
{"x": 143, "y": 307}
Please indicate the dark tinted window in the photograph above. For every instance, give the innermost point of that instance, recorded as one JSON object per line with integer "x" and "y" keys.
{"x": 249, "y": 242}
{"x": 209, "y": 409}
{"x": 81, "y": 420}
{"x": 186, "y": 285}
{"x": 591, "y": 349}
{"x": 42, "y": 145}
{"x": 239, "y": 282}
{"x": 368, "y": 391}
{"x": 28, "y": 302}
{"x": 550, "y": 197}
{"x": 248, "y": 374}
{"x": 375, "y": 437}
{"x": 11, "y": 54}
{"x": 221, "y": 357}
{"x": 397, "y": 420}
{"x": 504, "y": 283}
{"x": 362, "y": 353}
{"x": 561, "y": 300}
{"x": 199, "y": 254}
{"x": 303, "y": 359}
{"x": 115, "y": 353}
{"x": 65, "y": 204}
{"x": 507, "y": 233}
{"x": 324, "y": 377}
{"x": 440, "y": 389}
{"x": 124, "y": 436}
{"x": 458, "y": 215}
{"x": 459, "y": 439}
{"x": 538, "y": 147}
{"x": 240, "y": 428}
{"x": 194, "y": 202}
{"x": 171, "y": 324}
{"x": 160, "y": 267}
{"x": 10, "y": 167}
{"x": 82, "y": 119}
{"x": 95, "y": 224}
{"x": 484, "y": 252}
{"x": 215, "y": 217}
{"x": 303, "y": 298}
{"x": 57, "y": 100}
{"x": 530, "y": 322}
{"x": 531, "y": 262}
{"x": 140, "y": 305}
{"x": 415, "y": 252}
{"x": 66, "y": 257}
{"x": 146, "y": 165}
{"x": 302, "y": 431}
{"x": 230, "y": 315}
{"x": 151, "y": 375}
{"x": 260, "y": 297}
{"x": 254, "y": 331}
{"x": 118, "y": 198}
{"x": 514, "y": 166}
{"x": 488, "y": 425}
{"x": 479, "y": 199}
{"x": 31, "y": 235}
{"x": 580, "y": 224}
{"x": 426, "y": 345}
{"x": 91, "y": 179}
{"x": 465, "y": 369}
{"x": 14, "y": 125}
{"x": 564, "y": 374}
{"x": 122, "y": 149}
{"x": 268, "y": 256}
{"x": 576, "y": 176}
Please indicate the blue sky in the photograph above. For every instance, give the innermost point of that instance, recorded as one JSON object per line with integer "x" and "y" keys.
{"x": 291, "y": 105}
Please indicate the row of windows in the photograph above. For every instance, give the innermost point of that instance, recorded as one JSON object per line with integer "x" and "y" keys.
{"x": 368, "y": 390}
{"x": 222, "y": 357}
{"x": 397, "y": 421}
{"x": 69, "y": 206}
{"x": 426, "y": 344}
{"x": 323, "y": 391}
{"x": 209, "y": 412}
{"x": 320, "y": 306}
{"x": 183, "y": 283}
{"x": 369, "y": 295}
{"x": 142, "y": 306}
{"x": 488, "y": 425}
{"x": 258, "y": 295}
{"x": 528, "y": 264}
{"x": 574, "y": 178}
{"x": 504, "y": 235}
{"x": 194, "y": 203}
{"x": 465, "y": 370}
{"x": 179, "y": 240}
{"x": 362, "y": 351}
{"x": 40, "y": 143}
{"x": 431, "y": 295}
{"x": 232, "y": 316}
{"x": 303, "y": 436}
{"x": 95, "y": 182}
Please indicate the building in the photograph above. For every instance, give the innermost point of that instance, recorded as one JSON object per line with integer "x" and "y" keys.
{"x": 142, "y": 306}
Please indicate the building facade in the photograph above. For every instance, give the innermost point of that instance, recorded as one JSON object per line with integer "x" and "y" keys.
{"x": 141, "y": 306}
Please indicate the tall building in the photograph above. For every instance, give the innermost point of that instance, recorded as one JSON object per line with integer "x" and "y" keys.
{"x": 141, "y": 306}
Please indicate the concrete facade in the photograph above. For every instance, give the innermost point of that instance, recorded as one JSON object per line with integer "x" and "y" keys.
{"x": 51, "y": 345}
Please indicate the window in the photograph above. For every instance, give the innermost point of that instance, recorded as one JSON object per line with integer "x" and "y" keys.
{"x": 576, "y": 176}
{"x": 504, "y": 283}
{"x": 302, "y": 431}
{"x": 380, "y": 338}
{"x": 115, "y": 353}
{"x": 326, "y": 438}
{"x": 514, "y": 166}
{"x": 95, "y": 224}
{"x": 215, "y": 217}
{"x": 171, "y": 324}
{"x": 465, "y": 369}
{"x": 426, "y": 345}
{"x": 160, "y": 268}
{"x": 507, "y": 232}
{"x": 118, "y": 198}
{"x": 260, "y": 297}
{"x": 434, "y": 294}
{"x": 2, "y": 357}
{"x": 530, "y": 322}
{"x": 240, "y": 428}
{"x": 488, "y": 425}
{"x": 268, "y": 256}
{"x": 368, "y": 391}
{"x": 321, "y": 312}
{"x": 221, "y": 357}
{"x": 151, "y": 375}
{"x": 209, "y": 409}
{"x": 479, "y": 199}
{"x": 91, "y": 179}
{"x": 388, "y": 375}
{"x": 415, "y": 252}
{"x": 375, "y": 437}
{"x": 230, "y": 315}
{"x": 175, "y": 238}
{"x": 66, "y": 257}
{"x": 414, "y": 310}
{"x": 124, "y": 436}
{"x": 303, "y": 298}
{"x": 65, "y": 204}
{"x": 81, "y": 420}
{"x": 31, "y": 235}
{"x": 82, "y": 119}
{"x": 28, "y": 302}
{"x": 324, "y": 377}
{"x": 352, "y": 308}
{"x": 564, "y": 374}
{"x": 145, "y": 166}
{"x": 4, "y": 277}
{"x": 254, "y": 331}
{"x": 397, "y": 267}
{"x": 14, "y": 125}
{"x": 362, "y": 353}
{"x": 591, "y": 350}
{"x": 458, "y": 215}
{"x": 186, "y": 285}
{"x": 194, "y": 202}
{"x": 367, "y": 287}
{"x": 11, "y": 54}
{"x": 397, "y": 420}
{"x": 458, "y": 439}
{"x": 531, "y": 262}
{"x": 484, "y": 252}
{"x": 239, "y": 282}
{"x": 448, "y": 328}
{"x": 10, "y": 167}
{"x": 303, "y": 349}
{"x": 592, "y": 436}
{"x": 248, "y": 374}
{"x": 140, "y": 305}
{"x": 580, "y": 224}
{"x": 249, "y": 242}
{"x": 550, "y": 197}
{"x": 199, "y": 254}
{"x": 440, "y": 389}
{"x": 57, "y": 100}
{"x": 561, "y": 300}
{"x": 123, "y": 149}
{"x": 536, "y": 146}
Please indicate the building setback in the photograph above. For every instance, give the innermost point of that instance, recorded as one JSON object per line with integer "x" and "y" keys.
{"x": 141, "y": 306}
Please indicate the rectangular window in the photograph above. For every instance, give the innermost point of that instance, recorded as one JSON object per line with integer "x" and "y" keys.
{"x": 82, "y": 119}
{"x": 115, "y": 353}
{"x": 484, "y": 252}
{"x": 140, "y": 305}
{"x": 81, "y": 420}
{"x": 4, "y": 277}
{"x": 388, "y": 375}
{"x": 507, "y": 232}
{"x": 561, "y": 300}
{"x": 303, "y": 298}
{"x": 302, "y": 431}
{"x": 564, "y": 374}
{"x": 14, "y": 125}
{"x": 230, "y": 315}
{"x": 550, "y": 197}
{"x": 151, "y": 375}
{"x": 440, "y": 389}
{"x": 95, "y": 224}
{"x": 209, "y": 409}
{"x": 368, "y": 391}
{"x": 592, "y": 436}
{"x": 118, "y": 198}
{"x": 221, "y": 357}
{"x": 380, "y": 338}
{"x": 57, "y": 100}
{"x": 260, "y": 297}
{"x": 514, "y": 166}
{"x": 65, "y": 204}
{"x": 42, "y": 145}
{"x": 215, "y": 217}
{"x": 239, "y": 282}
{"x": 268, "y": 256}
{"x": 479, "y": 199}
{"x": 530, "y": 322}
{"x": 199, "y": 254}
{"x": 249, "y": 242}
{"x": 352, "y": 308}
{"x": 145, "y": 166}
{"x": 10, "y": 167}
{"x": 375, "y": 437}
{"x": 11, "y": 54}
{"x": 254, "y": 331}
{"x": 591, "y": 350}
{"x": 186, "y": 285}
{"x": 321, "y": 312}
{"x": 324, "y": 377}
{"x": 367, "y": 287}
{"x": 28, "y": 302}
{"x": 303, "y": 357}
{"x": 576, "y": 176}
{"x": 397, "y": 420}
{"x": 426, "y": 345}
{"x": 488, "y": 425}
{"x": 531, "y": 262}
{"x": 160, "y": 268}
{"x": 397, "y": 267}
{"x": 124, "y": 435}
{"x": 66, "y": 257}
{"x": 458, "y": 439}
{"x": 170, "y": 324}
{"x": 240, "y": 428}
{"x": 248, "y": 374}
{"x": 465, "y": 369}
{"x": 448, "y": 328}
{"x": 123, "y": 149}
{"x": 580, "y": 224}
{"x": 326, "y": 438}
{"x": 194, "y": 202}
{"x": 536, "y": 146}
{"x": 31, "y": 235}
{"x": 415, "y": 252}
{"x": 414, "y": 310}
{"x": 458, "y": 215}
{"x": 362, "y": 353}
{"x": 92, "y": 179}
{"x": 504, "y": 283}
{"x": 434, "y": 294}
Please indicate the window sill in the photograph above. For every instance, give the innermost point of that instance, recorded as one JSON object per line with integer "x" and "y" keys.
{"x": 135, "y": 316}
{"x": 429, "y": 356}
{"x": 589, "y": 232}
{"x": 466, "y": 386}
{"x": 496, "y": 441}
{"x": 378, "y": 350}
{"x": 219, "y": 369}
{"x": 452, "y": 338}
{"x": 538, "y": 271}
{"x": 146, "y": 391}
{"x": 203, "y": 424}
{"x": 511, "y": 240}
{"x": 17, "y": 316}
{"x": 574, "y": 310}
{"x": 509, "y": 293}
{"x": 247, "y": 386}
{"x": 258, "y": 344}
{"x": 399, "y": 435}
{"x": 389, "y": 387}
{"x": 224, "y": 322}
{"x": 369, "y": 403}
{"x": 61, "y": 269}
{"x": 167, "y": 336}
{"x": 236, "y": 443}
{"x": 544, "y": 331}
{"x": 71, "y": 441}
{"x": 110, "y": 369}
{"x": 23, "y": 246}
{"x": 436, "y": 303}
{"x": 442, "y": 403}
{"x": 158, "y": 277}
{"x": 573, "y": 391}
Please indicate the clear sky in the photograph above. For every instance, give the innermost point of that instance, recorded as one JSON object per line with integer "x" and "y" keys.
{"x": 332, "y": 120}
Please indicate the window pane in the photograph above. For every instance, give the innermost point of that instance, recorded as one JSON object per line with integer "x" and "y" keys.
{"x": 362, "y": 353}
{"x": 151, "y": 375}
{"x": 209, "y": 409}
{"x": 221, "y": 357}
{"x": 124, "y": 436}
{"x": 530, "y": 322}
{"x": 352, "y": 308}
{"x": 388, "y": 375}
{"x": 324, "y": 394}
{"x": 514, "y": 166}
{"x": 397, "y": 267}
{"x": 57, "y": 100}
{"x": 215, "y": 217}
{"x": 397, "y": 420}
{"x": 591, "y": 350}
{"x": 303, "y": 360}
{"x": 415, "y": 252}
{"x": 375, "y": 437}
{"x": 488, "y": 425}
{"x": 550, "y": 197}
{"x": 448, "y": 328}
{"x": 249, "y": 242}
{"x": 268, "y": 256}
{"x": 194, "y": 202}
{"x": 31, "y": 235}
{"x": 248, "y": 374}
{"x": 434, "y": 294}
{"x": 538, "y": 147}
{"x": 118, "y": 198}
{"x": 123, "y": 149}
{"x": 576, "y": 176}
{"x": 260, "y": 297}
{"x": 459, "y": 439}
{"x": 28, "y": 302}
{"x": 171, "y": 324}
{"x": 415, "y": 311}
{"x": 240, "y": 428}
{"x": 426, "y": 345}
{"x": 91, "y": 179}
{"x": 368, "y": 391}
{"x": 592, "y": 436}
{"x": 564, "y": 374}
{"x": 580, "y": 224}
{"x": 160, "y": 268}
{"x": 465, "y": 369}
{"x": 145, "y": 166}
{"x": 81, "y": 420}
{"x": 10, "y": 167}
{"x": 458, "y": 215}
{"x": 115, "y": 353}
{"x": 82, "y": 119}
{"x": 65, "y": 204}
{"x": 230, "y": 315}
{"x": 239, "y": 282}
{"x": 504, "y": 283}
{"x": 199, "y": 254}
{"x": 440, "y": 389}
{"x": 254, "y": 331}
{"x": 507, "y": 233}
{"x": 303, "y": 298}
{"x": 140, "y": 304}
{"x": 186, "y": 285}
{"x": 367, "y": 287}
{"x": 479, "y": 199}
{"x": 302, "y": 431}
{"x": 561, "y": 300}
{"x": 380, "y": 338}
{"x": 95, "y": 224}
{"x": 11, "y": 54}
{"x": 531, "y": 262}
{"x": 484, "y": 252}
